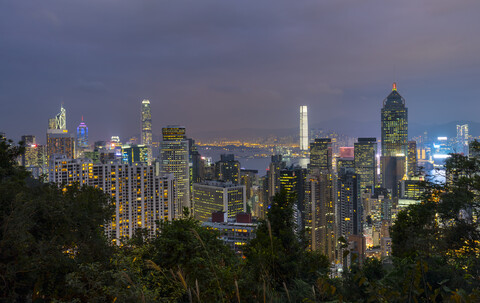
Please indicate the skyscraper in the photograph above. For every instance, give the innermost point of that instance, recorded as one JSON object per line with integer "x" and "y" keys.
{"x": 146, "y": 123}
{"x": 174, "y": 155}
{"x": 228, "y": 169}
{"x": 321, "y": 154}
{"x": 366, "y": 162}
{"x": 462, "y": 139}
{"x": 412, "y": 158}
{"x": 394, "y": 125}
{"x": 349, "y": 206}
{"x": 59, "y": 142}
{"x": 82, "y": 135}
{"x": 303, "y": 128}
{"x": 394, "y": 161}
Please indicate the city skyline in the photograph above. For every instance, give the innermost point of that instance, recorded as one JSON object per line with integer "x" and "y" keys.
{"x": 238, "y": 65}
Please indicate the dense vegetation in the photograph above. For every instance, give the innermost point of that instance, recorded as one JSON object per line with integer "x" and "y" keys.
{"x": 53, "y": 249}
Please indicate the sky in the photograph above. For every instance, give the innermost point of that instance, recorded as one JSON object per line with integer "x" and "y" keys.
{"x": 227, "y": 65}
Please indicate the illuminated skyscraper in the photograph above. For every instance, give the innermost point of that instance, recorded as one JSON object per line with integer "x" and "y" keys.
{"x": 366, "y": 162}
{"x": 303, "y": 128}
{"x": 394, "y": 125}
{"x": 82, "y": 135}
{"x": 462, "y": 139}
{"x": 59, "y": 142}
{"x": 175, "y": 160}
{"x": 321, "y": 154}
{"x": 349, "y": 205}
{"x": 412, "y": 158}
{"x": 146, "y": 123}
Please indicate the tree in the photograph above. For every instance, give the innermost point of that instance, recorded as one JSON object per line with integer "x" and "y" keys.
{"x": 45, "y": 233}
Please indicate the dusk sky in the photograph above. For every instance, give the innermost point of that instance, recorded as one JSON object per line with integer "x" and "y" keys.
{"x": 226, "y": 65}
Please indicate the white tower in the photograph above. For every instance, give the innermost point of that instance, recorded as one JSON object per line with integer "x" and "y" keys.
{"x": 303, "y": 128}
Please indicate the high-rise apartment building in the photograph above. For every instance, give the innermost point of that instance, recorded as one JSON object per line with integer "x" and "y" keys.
{"x": 349, "y": 205}
{"x": 146, "y": 123}
{"x": 321, "y": 154}
{"x": 303, "y": 128}
{"x": 394, "y": 125}
{"x": 462, "y": 139}
{"x": 320, "y": 228}
{"x": 175, "y": 160}
{"x": 366, "y": 162}
{"x": 213, "y": 196}
{"x": 142, "y": 199}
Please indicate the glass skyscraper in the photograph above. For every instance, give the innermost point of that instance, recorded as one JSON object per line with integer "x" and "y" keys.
{"x": 82, "y": 135}
{"x": 146, "y": 123}
{"x": 394, "y": 125}
{"x": 303, "y": 128}
{"x": 175, "y": 160}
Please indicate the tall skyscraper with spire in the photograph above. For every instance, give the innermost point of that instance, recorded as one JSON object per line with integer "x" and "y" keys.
{"x": 146, "y": 123}
{"x": 303, "y": 128}
{"x": 394, "y": 125}
{"x": 394, "y": 163}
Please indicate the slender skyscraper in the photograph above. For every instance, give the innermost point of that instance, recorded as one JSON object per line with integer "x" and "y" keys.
{"x": 366, "y": 162}
{"x": 462, "y": 139}
{"x": 303, "y": 128}
{"x": 82, "y": 135}
{"x": 175, "y": 161}
{"x": 394, "y": 125}
{"x": 146, "y": 123}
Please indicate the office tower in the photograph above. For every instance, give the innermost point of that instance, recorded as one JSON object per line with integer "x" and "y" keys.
{"x": 227, "y": 169}
{"x": 213, "y": 196}
{"x": 141, "y": 198}
{"x": 135, "y": 154}
{"x": 462, "y": 139}
{"x": 394, "y": 125}
{"x": 346, "y": 162}
{"x": 366, "y": 162}
{"x": 174, "y": 160}
{"x": 412, "y": 158}
{"x": 82, "y": 135}
{"x": 320, "y": 213}
{"x": 273, "y": 176}
{"x": 292, "y": 181}
{"x": 59, "y": 142}
{"x": 303, "y": 128}
{"x": 393, "y": 170}
{"x": 30, "y": 155}
{"x": 197, "y": 173}
{"x": 349, "y": 206}
{"x": 321, "y": 154}
{"x": 146, "y": 123}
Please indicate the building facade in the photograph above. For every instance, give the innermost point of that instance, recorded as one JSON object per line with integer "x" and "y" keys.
{"x": 303, "y": 128}
{"x": 175, "y": 160}
{"x": 141, "y": 198}
{"x": 366, "y": 162}
{"x": 213, "y": 196}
